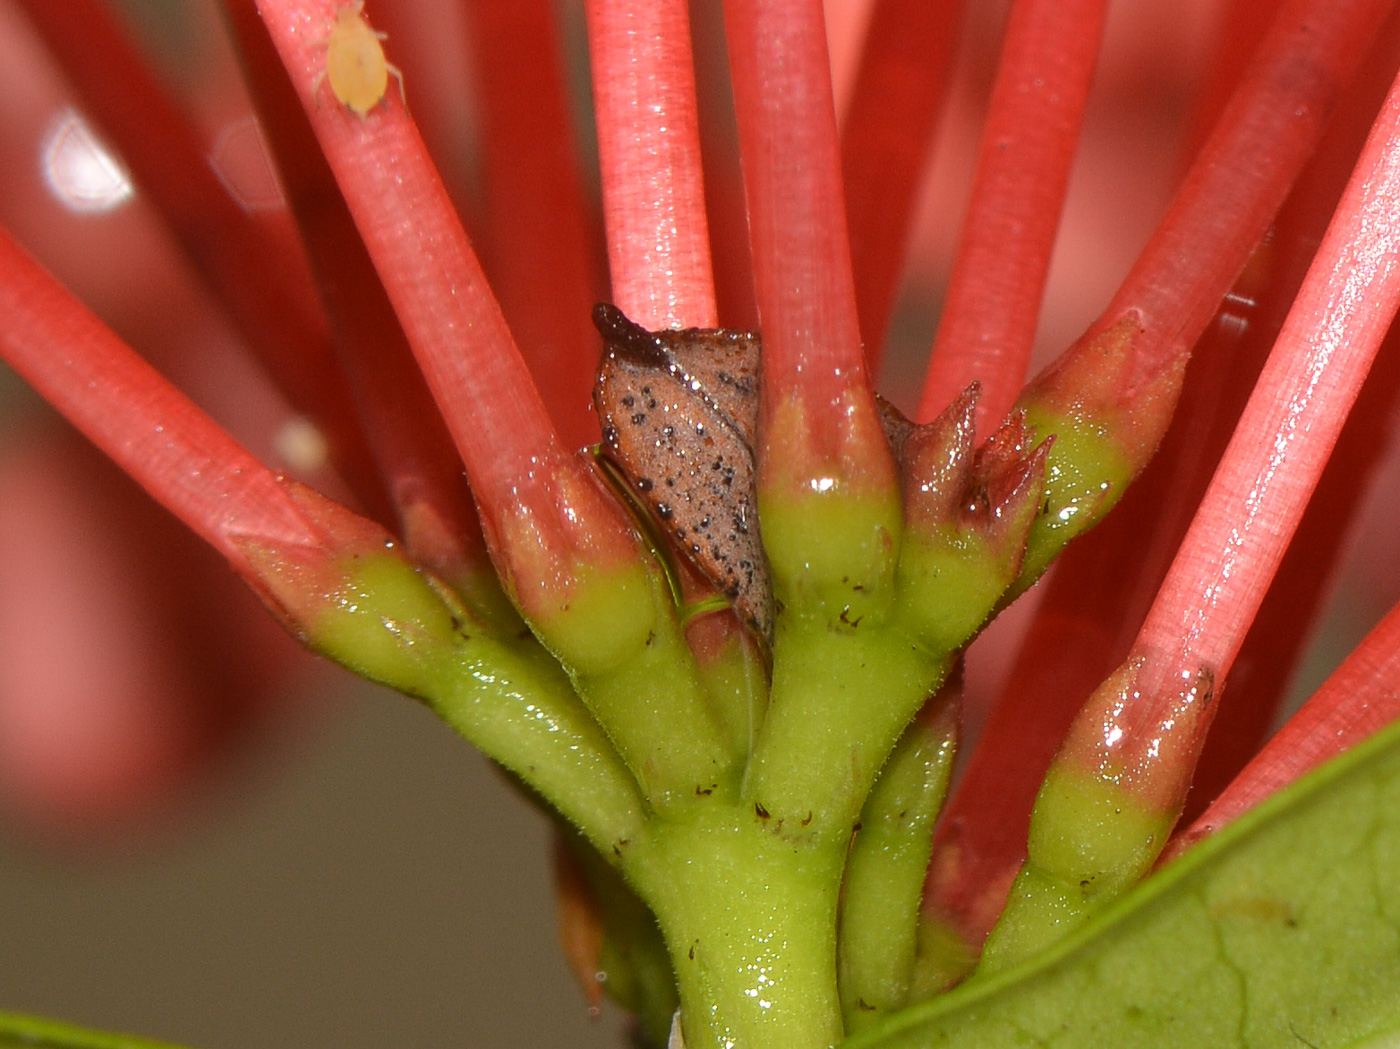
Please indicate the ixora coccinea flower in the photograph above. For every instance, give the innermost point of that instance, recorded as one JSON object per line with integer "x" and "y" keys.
{"x": 724, "y": 652}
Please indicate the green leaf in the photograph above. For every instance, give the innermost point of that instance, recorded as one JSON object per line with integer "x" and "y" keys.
{"x": 1282, "y": 930}
{"x": 30, "y": 1032}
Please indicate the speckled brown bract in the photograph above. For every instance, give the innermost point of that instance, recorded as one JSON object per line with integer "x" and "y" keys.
{"x": 679, "y": 411}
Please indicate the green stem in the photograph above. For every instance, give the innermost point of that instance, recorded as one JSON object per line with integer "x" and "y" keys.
{"x": 839, "y": 702}
{"x": 388, "y": 622}
{"x": 18, "y": 1031}
{"x": 522, "y": 714}
{"x": 749, "y": 918}
{"x": 886, "y": 868}
{"x": 1090, "y": 840}
{"x": 623, "y": 648}
{"x": 736, "y": 683}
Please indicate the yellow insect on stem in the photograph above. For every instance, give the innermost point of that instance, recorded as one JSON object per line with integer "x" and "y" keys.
{"x": 355, "y": 64}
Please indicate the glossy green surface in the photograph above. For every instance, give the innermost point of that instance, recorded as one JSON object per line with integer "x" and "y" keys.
{"x": 1283, "y": 930}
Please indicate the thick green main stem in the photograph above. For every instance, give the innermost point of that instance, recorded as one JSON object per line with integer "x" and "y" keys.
{"x": 749, "y": 916}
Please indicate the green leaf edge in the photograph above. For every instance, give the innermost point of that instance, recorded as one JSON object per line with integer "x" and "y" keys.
{"x": 18, "y": 1029}
{"x": 902, "y": 1029}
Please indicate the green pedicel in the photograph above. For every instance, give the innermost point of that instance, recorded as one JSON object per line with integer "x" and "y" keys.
{"x": 626, "y": 654}
{"x": 388, "y": 623}
{"x": 885, "y": 873}
{"x": 1090, "y": 841}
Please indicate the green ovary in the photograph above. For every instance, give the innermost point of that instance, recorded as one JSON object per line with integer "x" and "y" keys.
{"x": 1087, "y": 472}
{"x": 1090, "y": 841}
